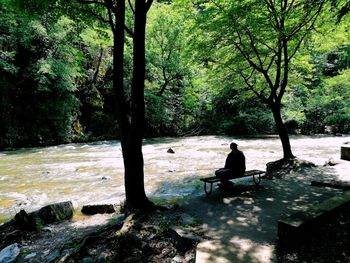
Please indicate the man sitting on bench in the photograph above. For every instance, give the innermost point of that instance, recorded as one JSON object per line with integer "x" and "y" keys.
{"x": 234, "y": 167}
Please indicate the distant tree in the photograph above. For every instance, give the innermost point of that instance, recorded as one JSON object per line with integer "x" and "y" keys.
{"x": 167, "y": 71}
{"x": 258, "y": 40}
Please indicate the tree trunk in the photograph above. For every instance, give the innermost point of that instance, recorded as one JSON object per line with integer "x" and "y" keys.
{"x": 132, "y": 147}
{"x": 282, "y": 131}
{"x": 131, "y": 130}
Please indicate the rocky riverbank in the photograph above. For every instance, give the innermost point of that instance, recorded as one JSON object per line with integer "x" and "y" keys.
{"x": 161, "y": 236}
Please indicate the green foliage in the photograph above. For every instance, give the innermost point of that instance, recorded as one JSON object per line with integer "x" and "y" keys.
{"x": 168, "y": 72}
{"x": 56, "y": 70}
{"x": 47, "y": 69}
{"x": 328, "y": 109}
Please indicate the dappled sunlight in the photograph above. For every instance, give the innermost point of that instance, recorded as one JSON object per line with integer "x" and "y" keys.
{"x": 236, "y": 249}
{"x": 251, "y": 213}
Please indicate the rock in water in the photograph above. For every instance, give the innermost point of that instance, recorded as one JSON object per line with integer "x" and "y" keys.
{"x": 97, "y": 209}
{"x": 9, "y": 253}
{"x": 345, "y": 152}
{"x": 170, "y": 150}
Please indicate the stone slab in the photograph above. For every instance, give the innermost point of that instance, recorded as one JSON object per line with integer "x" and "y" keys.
{"x": 294, "y": 227}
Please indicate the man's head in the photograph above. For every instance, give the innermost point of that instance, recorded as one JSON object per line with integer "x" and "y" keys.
{"x": 233, "y": 146}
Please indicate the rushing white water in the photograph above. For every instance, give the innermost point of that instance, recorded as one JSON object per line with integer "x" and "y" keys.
{"x": 93, "y": 173}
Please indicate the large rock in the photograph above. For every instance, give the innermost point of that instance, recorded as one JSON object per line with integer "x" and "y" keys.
{"x": 13, "y": 230}
{"x": 25, "y": 221}
{"x": 55, "y": 212}
{"x": 97, "y": 209}
{"x": 285, "y": 166}
{"x": 345, "y": 152}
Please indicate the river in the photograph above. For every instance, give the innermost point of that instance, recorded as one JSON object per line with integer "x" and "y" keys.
{"x": 93, "y": 173}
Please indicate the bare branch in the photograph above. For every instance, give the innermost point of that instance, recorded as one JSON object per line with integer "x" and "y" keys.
{"x": 268, "y": 47}
{"x": 271, "y": 8}
{"x": 306, "y": 32}
{"x": 271, "y": 62}
{"x": 241, "y": 48}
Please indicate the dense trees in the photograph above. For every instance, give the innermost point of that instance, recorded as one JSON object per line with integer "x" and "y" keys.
{"x": 40, "y": 70}
{"x": 56, "y": 74}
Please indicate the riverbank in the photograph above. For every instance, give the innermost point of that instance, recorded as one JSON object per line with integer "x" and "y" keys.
{"x": 235, "y": 226}
{"x": 86, "y": 173}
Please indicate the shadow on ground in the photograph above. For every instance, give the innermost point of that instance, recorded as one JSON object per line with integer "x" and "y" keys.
{"x": 242, "y": 222}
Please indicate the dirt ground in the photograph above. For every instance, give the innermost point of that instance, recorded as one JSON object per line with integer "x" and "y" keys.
{"x": 161, "y": 236}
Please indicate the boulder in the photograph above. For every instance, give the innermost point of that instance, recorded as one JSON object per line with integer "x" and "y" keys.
{"x": 25, "y": 221}
{"x": 97, "y": 209}
{"x": 345, "y": 152}
{"x": 13, "y": 230}
{"x": 170, "y": 150}
{"x": 285, "y": 166}
{"x": 55, "y": 212}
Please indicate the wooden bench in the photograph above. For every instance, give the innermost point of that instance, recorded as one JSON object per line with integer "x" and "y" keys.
{"x": 256, "y": 174}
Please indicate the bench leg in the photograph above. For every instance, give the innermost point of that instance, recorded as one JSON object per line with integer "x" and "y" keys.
{"x": 257, "y": 181}
{"x": 205, "y": 188}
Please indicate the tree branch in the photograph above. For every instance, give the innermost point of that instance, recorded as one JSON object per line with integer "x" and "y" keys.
{"x": 131, "y": 7}
{"x": 129, "y": 31}
{"x": 109, "y": 5}
{"x": 148, "y": 5}
{"x": 252, "y": 44}
{"x": 306, "y": 19}
{"x": 306, "y": 32}
{"x": 251, "y": 86}
{"x": 285, "y": 71}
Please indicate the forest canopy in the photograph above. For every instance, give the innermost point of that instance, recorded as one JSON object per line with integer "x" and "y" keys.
{"x": 56, "y": 72}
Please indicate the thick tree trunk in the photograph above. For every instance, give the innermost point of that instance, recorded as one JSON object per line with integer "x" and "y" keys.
{"x": 134, "y": 177}
{"x": 131, "y": 129}
{"x": 282, "y": 131}
{"x": 132, "y": 148}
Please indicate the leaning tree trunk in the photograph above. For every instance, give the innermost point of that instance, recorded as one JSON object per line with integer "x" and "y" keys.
{"x": 282, "y": 131}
